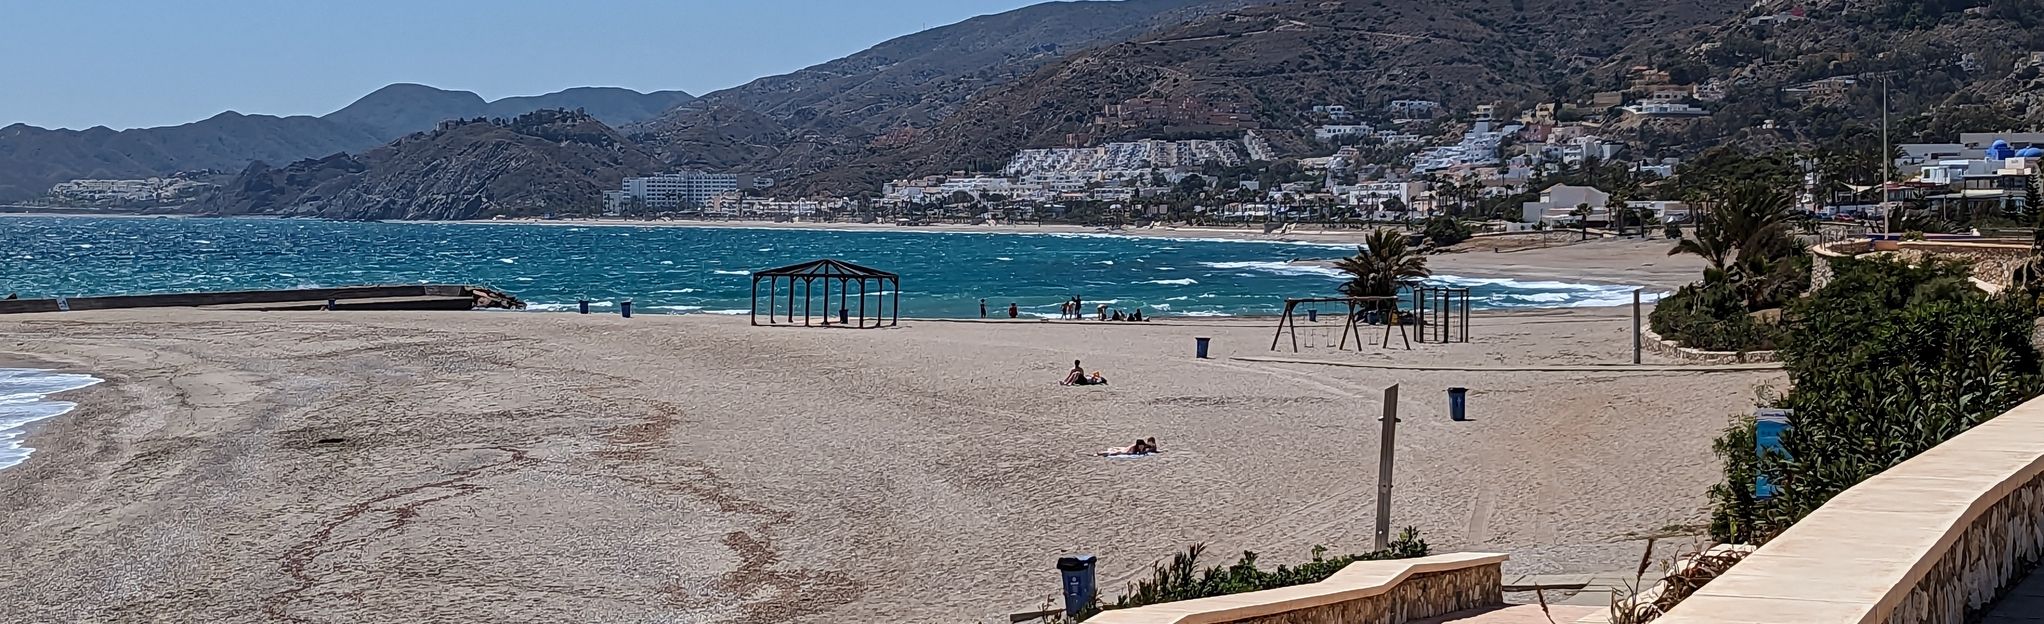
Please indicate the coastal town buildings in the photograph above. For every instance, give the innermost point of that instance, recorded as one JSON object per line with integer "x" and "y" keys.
{"x": 147, "y": 191}
{"x": 1478, "y": 147}
{"x": 1374, "y": 195}
{"x": 1662, "y": 108}
{"x": 735, "y": 206}
{"x": 674, "y": 191}
{"x": 1558, "y": 203}
{"x": 1413, "y": 109}
{"x": 1338, "y": 132}
{"x": 1130, "y": 158}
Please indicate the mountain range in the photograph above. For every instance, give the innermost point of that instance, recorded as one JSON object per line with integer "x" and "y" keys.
{"x": 965, "y": 96}
{"x": 1272, "y": 63}
{"x": 795, "y": 124}
{"x": 32, "y": 159}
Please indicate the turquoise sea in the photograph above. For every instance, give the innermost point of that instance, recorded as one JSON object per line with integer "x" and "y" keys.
{"x": 692, "y": 270}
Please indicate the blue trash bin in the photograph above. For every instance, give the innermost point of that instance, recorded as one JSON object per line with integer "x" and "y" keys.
{"x": 1199, "y": 346}
{"x": 1078, "y": 585}
{"x": 625, "y": 308}
{"x": 1458, "y": 403}
{"x": 1312, "y": 315}
{"x": 584, "y": 303}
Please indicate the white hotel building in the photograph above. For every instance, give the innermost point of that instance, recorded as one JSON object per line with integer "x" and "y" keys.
{"x": 672, "y": 191}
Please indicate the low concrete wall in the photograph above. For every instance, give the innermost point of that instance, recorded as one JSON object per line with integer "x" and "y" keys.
{"x": 190, "y": 300}
{"x": 1933, "y": 539}
{"x": 1378, "y": 592}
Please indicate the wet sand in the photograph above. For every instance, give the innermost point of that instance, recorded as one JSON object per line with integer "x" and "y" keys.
{"x": 523, "y": 467}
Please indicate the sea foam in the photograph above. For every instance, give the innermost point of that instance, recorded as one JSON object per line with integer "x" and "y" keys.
{"x": 23, "y": 400}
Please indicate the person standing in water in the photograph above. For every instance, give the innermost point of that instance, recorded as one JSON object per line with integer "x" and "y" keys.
{"x": 982, "y": 308}
{"x": 1014, "y": 312}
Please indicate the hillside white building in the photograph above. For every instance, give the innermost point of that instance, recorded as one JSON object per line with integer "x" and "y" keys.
{"x": 673, "y": 191}
{"x": 1559, "y": 200}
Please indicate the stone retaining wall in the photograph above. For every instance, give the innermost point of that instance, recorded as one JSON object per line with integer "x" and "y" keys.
{"x": 1994, "y": 264}
{"x": 1377, "y": 592}
{"x": 1654, "y": 343}
{"x": 1935, "y": 539}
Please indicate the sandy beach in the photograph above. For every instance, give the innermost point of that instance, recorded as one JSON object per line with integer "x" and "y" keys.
{"x": 523, "y": 467}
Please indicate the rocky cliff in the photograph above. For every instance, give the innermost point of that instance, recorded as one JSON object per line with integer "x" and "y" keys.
{"x": 549, "y": 161}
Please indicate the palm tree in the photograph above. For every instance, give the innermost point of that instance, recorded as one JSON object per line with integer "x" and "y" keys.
{"x": 1381, "y": 265}
{"x": 1582, "y": 215}
{"x": 1746, "y": 239}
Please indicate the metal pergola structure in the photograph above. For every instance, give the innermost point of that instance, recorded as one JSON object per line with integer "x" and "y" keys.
{"x": 804, "y": 277}
{"x": 1289, "y": 324}
{"x": 1441, "y": 312}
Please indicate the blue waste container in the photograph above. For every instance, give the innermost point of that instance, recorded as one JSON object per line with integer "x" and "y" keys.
{"x": 625, "y": 308}
{"x": 1079, "y": 588}
{"x": 584, "y": 303}
{"x": 1458, "y": 403}
{"x": 1199, "y": 346}
{"x": 844, "y": 317}
{"x": 1312, "y": 315}
{"x": 1768, "y": 425}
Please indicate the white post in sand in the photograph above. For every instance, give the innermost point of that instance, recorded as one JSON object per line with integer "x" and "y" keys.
{"x": 1384, "y": 457}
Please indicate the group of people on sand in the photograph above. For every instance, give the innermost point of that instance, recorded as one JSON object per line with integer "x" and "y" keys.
{"x": 1079, "y": 377}
{"x": 1074, "y": 310}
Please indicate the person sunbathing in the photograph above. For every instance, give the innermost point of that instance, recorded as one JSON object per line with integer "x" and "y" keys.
{"x": 1077, "y": 376}
{"x": 1141, "y": 447}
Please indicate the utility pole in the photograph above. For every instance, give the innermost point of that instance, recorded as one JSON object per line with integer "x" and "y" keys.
{"x": 1384, "y": 460}
{"x": 1887, "y": 163}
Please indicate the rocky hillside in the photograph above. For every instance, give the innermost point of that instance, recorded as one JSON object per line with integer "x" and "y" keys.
{"x": 32, "y": 159}
{"x": 1273, "y": 63}
{"x": 540, "y": 162}
{"x": 821, "y": 117}
{"x": 1810, "y": 72}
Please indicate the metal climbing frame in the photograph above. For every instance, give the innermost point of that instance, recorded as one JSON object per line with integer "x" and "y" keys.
{"x": 1441, "y": 313}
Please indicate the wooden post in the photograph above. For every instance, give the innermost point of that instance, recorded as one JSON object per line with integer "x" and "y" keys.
{"x": 1385, "y": 453}
{"x": 1635, "y": 326}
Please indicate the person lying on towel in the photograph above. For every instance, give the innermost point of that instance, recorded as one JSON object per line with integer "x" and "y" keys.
{"x": 1141, "y": 447}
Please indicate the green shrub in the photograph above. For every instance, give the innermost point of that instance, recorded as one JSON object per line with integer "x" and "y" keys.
{"x": 1181, "y": 579}
{"x": 1444, "y": 230}
{"x": 1712, "y": 318}
{"x": 1886, "y": 361}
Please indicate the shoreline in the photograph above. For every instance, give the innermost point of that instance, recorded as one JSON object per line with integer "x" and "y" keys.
{"x": 1328, "y": 238}
{"x": 23, "y": 418}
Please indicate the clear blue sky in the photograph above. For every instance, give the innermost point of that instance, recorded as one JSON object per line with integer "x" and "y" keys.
{"x": 132, "y": 63}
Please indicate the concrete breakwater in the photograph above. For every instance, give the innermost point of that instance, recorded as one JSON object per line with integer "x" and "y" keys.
{"x": 400, "y": 297}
